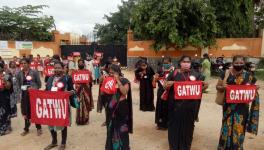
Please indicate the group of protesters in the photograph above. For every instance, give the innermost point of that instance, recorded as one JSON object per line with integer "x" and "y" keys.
{"x": 176, "y": 110}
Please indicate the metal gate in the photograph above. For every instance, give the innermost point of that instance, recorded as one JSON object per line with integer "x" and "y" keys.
{"x": 120, "y": 51}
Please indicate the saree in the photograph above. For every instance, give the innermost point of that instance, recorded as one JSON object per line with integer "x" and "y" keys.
{"x": 237, "y": 118}
{"x": 120, "y": 122}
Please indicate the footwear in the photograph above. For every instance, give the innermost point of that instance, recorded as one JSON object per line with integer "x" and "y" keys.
{"x": 24, "y": 133}
{"x": 7, "y": 132}
{"x": 39, "y": 132}
{"x": 161, "y": 128}
{"x": 104, "y": 124}
{"x": 51, "y": 146}
{"x": 62, "y": 147}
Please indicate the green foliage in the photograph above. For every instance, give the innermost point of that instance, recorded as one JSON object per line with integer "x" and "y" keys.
{"x": 178, "y": 22}
{"x": 25, "y": 23}
{"x": 260, "y": 74}
{"x": 261, "y": 64}
{"x": 115, "y": 30}
{"x": 234, "y": 18}
{"x": 259, "y": 15}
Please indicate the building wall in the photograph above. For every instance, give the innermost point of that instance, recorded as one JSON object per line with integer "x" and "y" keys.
{"x": 44, "y": 48}
{"x": 228, "y": 47}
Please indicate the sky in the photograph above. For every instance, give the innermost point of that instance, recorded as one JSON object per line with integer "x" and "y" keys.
{"x": 75, "y": 16}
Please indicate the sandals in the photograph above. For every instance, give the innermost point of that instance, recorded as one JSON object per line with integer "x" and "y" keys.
{"x": 24, "y": 133}
{"x": 62, "y": 147}
{"x": 104, "y": 124}
{"x": 39, "y": 132}
{"x": 51, "y": 146}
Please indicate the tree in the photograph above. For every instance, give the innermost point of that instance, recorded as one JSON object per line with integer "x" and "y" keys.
{"x": 234, "y": 18}
{"x": 175, "y": 22}
{"x": 25, "y": 23}
{"x": 259, "y": 14}
{"x": 115, "y": 30}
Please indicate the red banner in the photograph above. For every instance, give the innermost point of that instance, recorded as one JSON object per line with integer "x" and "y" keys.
{"x": 49, "y": 71}
{"x": 49, "y": 108}
{"x": 81, "y": 76}
{"x": 189, "y": 90}
{"x": 109, "y": 85}
{"x": 240, "y": 93}
{"x": 1, "y": 83}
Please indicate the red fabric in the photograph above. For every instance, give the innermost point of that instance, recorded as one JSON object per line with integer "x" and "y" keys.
{"x": 240, "y": 93}
{"x": 34, "y": 65}
{"x": 109, "y": 85}
{"x": 46, "y": 62}
{"x": 81, "y": 76}
{"x": 188, "y": 90}
{"x": 49, "y": 71}
{"x": 1, "y": 83}
{"x": 98, "y": 54}
{"x": 49, "y": 108}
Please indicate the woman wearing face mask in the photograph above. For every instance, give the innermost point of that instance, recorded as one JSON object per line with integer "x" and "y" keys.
{"x": 237, "y": 119}
{"x": 181, "y": 112}
{"x": 144, "y": 74}
{"x": 120, "y": 122}
{"x": 5, "y": 110}
{"x": 84, "y": 93}
{"x": 59, "y": 82}
{"x": 161, "y": 117}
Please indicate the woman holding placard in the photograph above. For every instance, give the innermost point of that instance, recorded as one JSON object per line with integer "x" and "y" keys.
{"x": 84, "y": 93}
{"x": 185, "y": 91}
{"x": 237, "y": 119}
{"x": 59, "y": 82}
{"x": 5, "y": 109}
{"x": 120, "y": 122}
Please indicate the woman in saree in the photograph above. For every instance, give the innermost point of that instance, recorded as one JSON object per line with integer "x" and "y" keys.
{"x": 161, "y": 115}
{"x": 237, "y": 118}
{"x": 84, "y": 93}
{"x": 144, "y": 74}
{"x": 16, "y": 95}
{"x": 182, "y": 112}
{"x": 120, "y": 122}
{"x": 5, "y": 109}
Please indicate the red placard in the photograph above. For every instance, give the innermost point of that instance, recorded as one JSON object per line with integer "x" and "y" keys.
{"x": 109, "y": 85}
{"x": 1, "y": 83}
{"x": 240, "y": 93}
{"x": 49, "y": 108}
{"x": 98, "y": 54}
{"x": 76, "y": 54}
{"x": 49, "y": 71}
{"x": 33, "y": 65}
{"x": 81, "y": 76}
{"x": 188, "y": 90}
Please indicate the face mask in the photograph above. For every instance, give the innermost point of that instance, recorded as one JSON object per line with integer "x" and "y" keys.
{"x": 81, "y": 66}
{"x": 238, "y": 67}
{"x": 185, "y": 65}
{"x": 166, "y": 66}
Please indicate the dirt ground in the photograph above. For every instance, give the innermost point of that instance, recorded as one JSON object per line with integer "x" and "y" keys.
{"x": 145, "y": 136}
